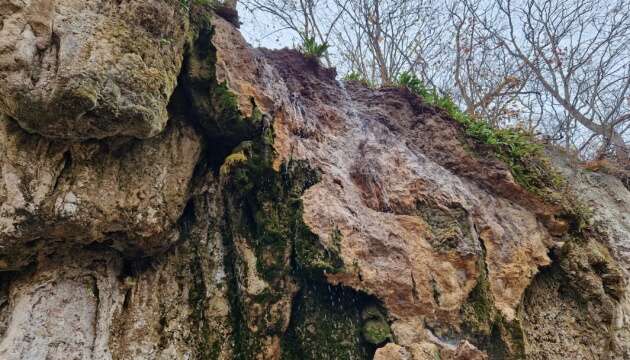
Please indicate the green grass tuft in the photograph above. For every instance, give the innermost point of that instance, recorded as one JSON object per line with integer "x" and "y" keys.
{"x": 356, "y": 77}
{"x": 517, "y": 148}
{"x": 311, "y": 48}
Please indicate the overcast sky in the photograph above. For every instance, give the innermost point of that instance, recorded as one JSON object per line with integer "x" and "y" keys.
{"x": 260, "y": 31}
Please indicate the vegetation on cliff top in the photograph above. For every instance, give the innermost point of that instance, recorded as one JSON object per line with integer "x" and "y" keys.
{"x": 517, "y": 148}
{"x": 558, "y": 68}
{"x": 312, "y": 49}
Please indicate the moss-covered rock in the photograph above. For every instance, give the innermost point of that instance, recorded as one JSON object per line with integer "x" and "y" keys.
{"x": 212, "y": 104}
{"x": 115, "y": 79}
{"x": 326, "y": 325}
{"x": 375, "y": 329}
{"x": 265, "y": 212}
{"x": 487, "y": 327}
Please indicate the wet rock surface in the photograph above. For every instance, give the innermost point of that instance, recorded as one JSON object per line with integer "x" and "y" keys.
{"x": 190, "y": 197}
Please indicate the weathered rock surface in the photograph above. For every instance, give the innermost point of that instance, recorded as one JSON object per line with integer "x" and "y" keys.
{"x": 278, "y": 214}
{"x": 410, "y": 229}
{"x": 607, "y": 264}
{"x": 93, "y": 304}
{"x": 90, "y": 69}
{"x": 125, "y": 192}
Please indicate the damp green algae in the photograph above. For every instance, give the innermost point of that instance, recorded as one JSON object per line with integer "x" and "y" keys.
{"x": 326, "y": 324}
{"x": 486, "y": 327}
{"x": 375, "y": 329}
{"x": 266, "y": 210}
{"x": 272, "y": 214}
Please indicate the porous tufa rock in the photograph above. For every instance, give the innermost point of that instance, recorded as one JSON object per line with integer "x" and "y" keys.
{"x": 128, "y": 193}
{"x": 90, "y": 69}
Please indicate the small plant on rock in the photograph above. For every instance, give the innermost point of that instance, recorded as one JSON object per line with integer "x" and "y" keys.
{"x": 357, "y": 77}
{"x": 312, "y": 49}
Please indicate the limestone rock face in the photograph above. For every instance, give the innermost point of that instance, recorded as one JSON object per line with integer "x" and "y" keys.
{"x": 261, "y": 209}
{"x": 92, "y": 304}
{"x": 411, "y": 230}
{"x": 126, "y": 192}
{"x": 609, "y": 201}
{"x": 90, "y": 69}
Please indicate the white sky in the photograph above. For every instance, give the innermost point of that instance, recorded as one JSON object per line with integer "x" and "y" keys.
{"x": 261, "y": 32}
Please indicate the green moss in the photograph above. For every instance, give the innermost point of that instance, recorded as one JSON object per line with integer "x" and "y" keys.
{"x": 312, "y": 258}
{"x": 375, "y": 329}
{"x": 213, "y": 106}
{"x": 449, "y": 226}
{"x": 376, "y": 332}
{"x": 272, "y": 209}
{"x": 518, "y": 149}
{"x": 231, "y": 161}
{"x": 578, "y": 215}
{"x": 326, "y": 325}
{"x": 486, "y": 327}
{"x": 187, "y": 4}
{"x": 505, "y": 341}
{"x": 489, "y": 330}
{"x": 479, "y": 312}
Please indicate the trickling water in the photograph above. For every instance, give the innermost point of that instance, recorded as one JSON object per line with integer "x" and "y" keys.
{"x": 352, "y": 110}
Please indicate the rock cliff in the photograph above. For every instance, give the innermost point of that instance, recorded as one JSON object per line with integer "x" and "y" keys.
{"x": 169, "y": 192}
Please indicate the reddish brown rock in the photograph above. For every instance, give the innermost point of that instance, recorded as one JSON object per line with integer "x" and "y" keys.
{"x": 399, "y": 210}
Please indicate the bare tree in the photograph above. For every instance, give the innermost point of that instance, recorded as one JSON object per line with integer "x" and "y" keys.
{"x": 556, "y": 67}
{"x": 578, "y": 51}
{"x": 309, "y": 19}
{"x": 380, "y": 39}
{"x": 488, "y": 84}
